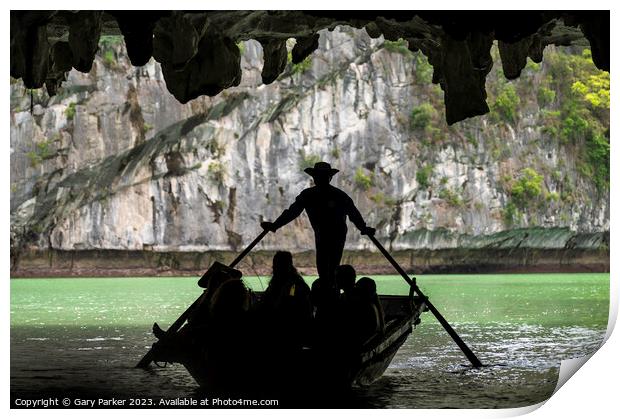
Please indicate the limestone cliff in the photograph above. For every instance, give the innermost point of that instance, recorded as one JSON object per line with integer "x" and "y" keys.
{"x": 113, "y": 161}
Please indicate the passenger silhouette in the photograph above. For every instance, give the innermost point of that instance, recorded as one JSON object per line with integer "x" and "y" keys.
{"x": 327, "y": 208}
{"x": 345, "y": 278}
{"x": 285, "y": 281}
{"x": 345, "y": 282}
{"x": 367, "y": 310}
{"x": 325, "y": 330}
{"x": 287, "y": 301}
{"x": 282, "y": 325}
{"x": 221, "y": 306}
{"x": 226, "y": 337}
{"x": 217, "y": 275}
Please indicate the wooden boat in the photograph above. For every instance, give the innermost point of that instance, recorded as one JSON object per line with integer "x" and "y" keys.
{"x": 311, "y": 368}
{"x": 402, "y": 314}
{"x": 321, "y": 366}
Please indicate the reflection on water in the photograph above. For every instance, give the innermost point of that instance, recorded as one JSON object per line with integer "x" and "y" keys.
{"x": 84, "y": 336}
{"x": 521, "y": 367}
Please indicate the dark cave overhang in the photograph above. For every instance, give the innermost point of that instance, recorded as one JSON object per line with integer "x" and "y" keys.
{"x": 198, "y": 53}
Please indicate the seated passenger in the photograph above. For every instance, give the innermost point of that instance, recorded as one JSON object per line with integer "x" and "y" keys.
{"x": 227, "y": 336}
{"x": 325, "y": 300}
{"x": 230, "y": 302}
{"x": 284, "y": 280}
{"x": 327, "y": 330}
{"x": 366, "y": 311}
{"x": 345, "y": 278}
{"x": 218, "y": 308}
{"x": 215, "y": 276}
{"x": 286, "y": 300}
{"x": 345, "y": 281}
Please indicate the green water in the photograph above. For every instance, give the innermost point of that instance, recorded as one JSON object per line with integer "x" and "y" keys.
{"x": 85, "y": 334}
{"x": 549, "y": 299}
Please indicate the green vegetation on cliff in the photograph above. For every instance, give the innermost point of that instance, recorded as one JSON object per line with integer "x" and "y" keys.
{"x": 422, "y": 116}
{"x": 307, "y": 160}
{"x": 363, "y": 180}
{"x": 561, "y": 103}
{"x": 527, "y": 188}
{"x": 506, "y": 104}
{"x": 108, "y": 44}
{"x": 423, "y": 70}
{"x": 42, "y": 151}
{"x": 70, "y": 111}
{"x": 423, "y": 176}
{"x": 301, "y": 67}
{"x": 582, "y": 114}
{"x": 399, "y": 47}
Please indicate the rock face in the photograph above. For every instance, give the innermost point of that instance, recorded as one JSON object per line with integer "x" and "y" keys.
{"x": 114, "y": 161}
{"x": 197, "y": 54}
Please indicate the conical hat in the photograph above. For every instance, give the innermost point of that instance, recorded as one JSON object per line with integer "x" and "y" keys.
{"x": 216, "y": 270}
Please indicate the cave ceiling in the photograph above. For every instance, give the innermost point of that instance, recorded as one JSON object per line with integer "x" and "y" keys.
{"x": 198, "y": 53}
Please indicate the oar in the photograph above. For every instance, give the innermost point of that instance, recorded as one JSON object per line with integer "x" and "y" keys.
{"x": 148, "y": 358}
{"x": 468, "y": 353}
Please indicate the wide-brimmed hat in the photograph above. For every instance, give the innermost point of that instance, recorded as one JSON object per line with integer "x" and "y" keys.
{"x": 321, "y": 167}
{"x": 218, "y": 271}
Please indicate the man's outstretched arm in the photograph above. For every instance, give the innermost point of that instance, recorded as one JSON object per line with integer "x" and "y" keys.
{"x": 287, "y": 215}
{"x": 357, "y": 219}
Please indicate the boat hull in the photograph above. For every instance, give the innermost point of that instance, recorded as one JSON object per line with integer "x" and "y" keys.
{"x": 313, "y": 369}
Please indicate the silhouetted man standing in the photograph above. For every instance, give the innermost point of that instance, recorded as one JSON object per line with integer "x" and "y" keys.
{"x": 327, "y": 208}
